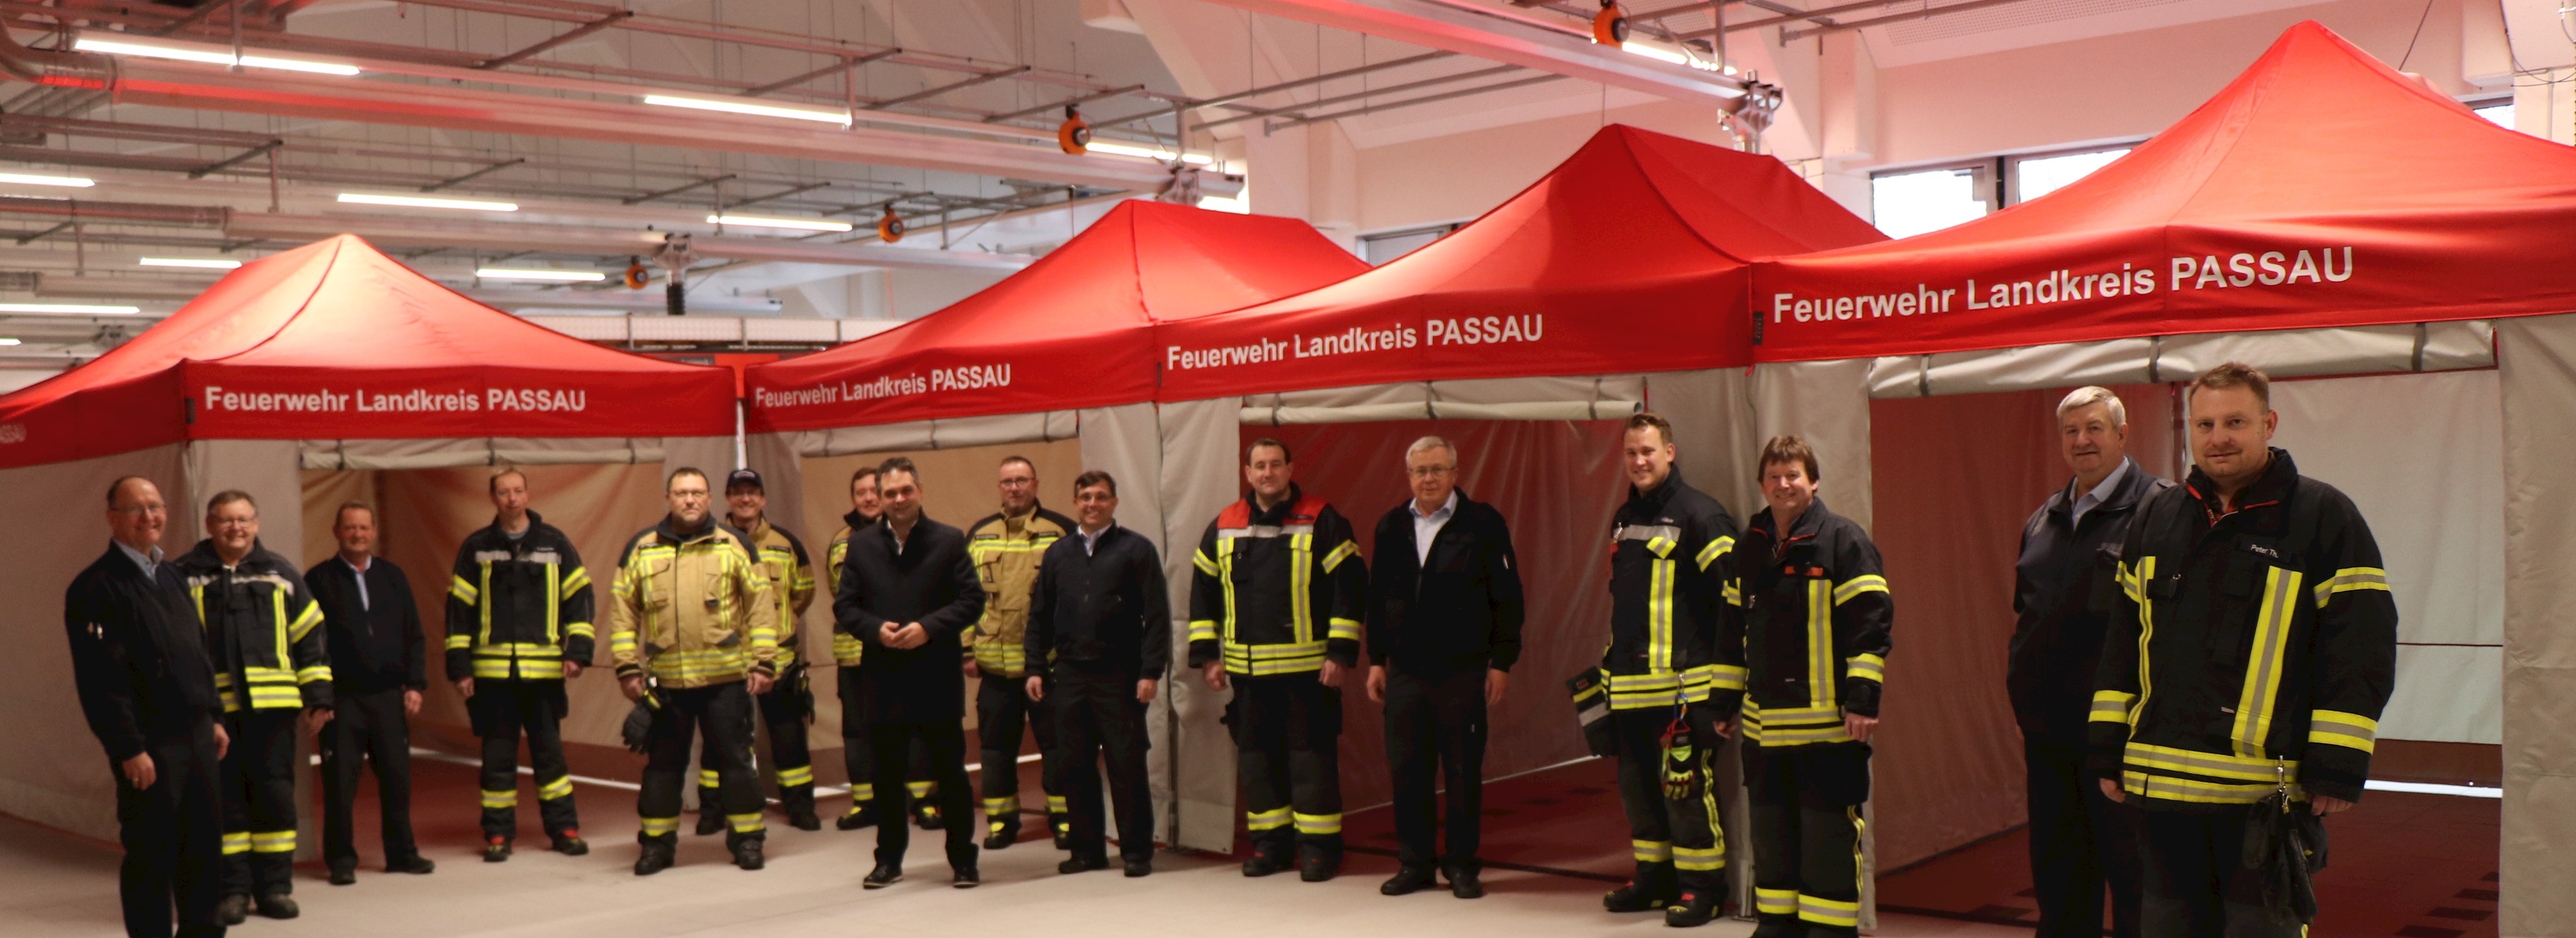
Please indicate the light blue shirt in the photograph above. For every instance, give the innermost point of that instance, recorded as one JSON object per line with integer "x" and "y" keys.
{"x": 1426, "y": 527}
{"x": 1091, "y": 538}
{"x": 149, "y": 562}
{"x": 2100, "y": 493}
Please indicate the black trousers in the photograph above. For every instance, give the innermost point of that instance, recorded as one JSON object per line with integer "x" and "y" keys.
{"x": 1287, "y": 730}
{"x": 366, "y": 728}
{"x": 1098, "y": 718}
{"x": 1807, "y": 829}
{"x": 859, "y": 755}
{"x": 1435, "y": 735}
{"x": 2079, "y": 841}
{"x": 259, "y": 803}
{"x": 173, "y": 836}
{"x": 720, "y": 716}
{"x": 504, "y": 711}
{"x": 2197, "y": 885}
{"x": 789, "y": 755}
{"x": 1002, "y": 706}
{"x": 1679, "y": 843}
{"x": 946, "y": 744}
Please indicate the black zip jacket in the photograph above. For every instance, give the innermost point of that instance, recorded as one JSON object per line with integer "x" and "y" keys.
{"x": 2247, "y": 648}
{"x": 518, "y": 609}
{"x": 376, "y": 644}
{"x": 929, "y": 580}
{"x": 1459, "y": 610}
{"x": 1278, "y": 591}
{"x": 1816, "y": 627}
{"x": 265, "y": 629}
{"x": 138, "y": 655}
{"x": 1673, "y": 625}
{"x": 1108, "y": 609}
{"x": 2063, "y": 588}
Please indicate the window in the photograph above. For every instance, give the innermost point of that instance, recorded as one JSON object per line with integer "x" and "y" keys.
{"x": 1909, "y": 202}
{"x": 2035, "y": 176}
{"x": 1385, "y": 246}
{"x": 2498, "y": 112}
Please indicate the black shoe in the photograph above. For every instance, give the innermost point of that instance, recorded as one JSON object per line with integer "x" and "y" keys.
{"x": 966, "y": 879}
{"x": 415, "y": 864}
{"x": 1464, "y": 884}
{"x": 710, "y": 820}
{"x": 1692, "y": 910}
{"x": 1263, "y": 864}
{"x": 1082, "y": 864}
{"x": 804, "y": 821}
{"x": 278, "y": 905}
{"x": 928, "y": 817}
{"x": 343, "y": 874}
{"x": 1634, "y": 898}
{"x": 886, "y": 874}
{"x": 1318, "y": 866}
{"x": 569, "y": 843}
{"x": 658, "y": 856}
{"x": 496, "y": 849}
{"x": 1137, "y": 869}
{"x": 1060, "y": 827}
{"x": 234, "y": 910}
{"x": 863, "y": 817}
{"x": 1407, "y": 880}
{"x": 746, "y": 854}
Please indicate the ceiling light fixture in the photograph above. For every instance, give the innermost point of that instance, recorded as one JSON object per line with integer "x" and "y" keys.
{"x": 1151, "y": 153}
{"x": 413, "y": 201}
{"x": 211, "y": 55}
{"x": 560, "y": 276}
{"x": 209, "y": 263}
{"x": 9, "y": 342}
{"x": 798, "y": 224}
{"x": 818, "y": 115}
{"x": 77, "y": 308}
{"x": 30, "y": 179}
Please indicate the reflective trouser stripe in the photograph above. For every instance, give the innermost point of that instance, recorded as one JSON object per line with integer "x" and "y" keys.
{"x": 996, "y": 810}
{"x": 1699, "y": 858}
{"x": 272, "y": 841}
{"x": 1266, "y": 820}
{"x": 860, "y": 795}
{"x": 1319, "y": 824}
{"x": 1833, "y": 912}
{"x": 1651, "y": 851}
{"x": 800, "y": 775}
{"x": 746, "y": 823}
{"x": 1056, "y": 804}
{"x": 559, "y": 788}
{"x": 918, "y": 789}
{"x": 497, "y": 800}
{"x": 658, "y": 826}
{"x": 1775, "y": 901}
{"x": 237, "y": 842}
{"x": 708, "y": 778}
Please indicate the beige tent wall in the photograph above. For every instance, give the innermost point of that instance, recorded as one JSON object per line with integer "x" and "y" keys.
{"x": 1126, "y": 443}
{"x": 2537, "y": 366}
{"x": 324, "y": 492}
{"x": 1717, "y": 441}
{"x": 1200, "y": 476}
{"x": 52, "y": 770}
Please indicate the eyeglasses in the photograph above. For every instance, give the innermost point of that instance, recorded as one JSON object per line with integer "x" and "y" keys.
{"x": 1425, "y": 472}
{"x": 141, "y": 511}
{"x": 231, "y": 522}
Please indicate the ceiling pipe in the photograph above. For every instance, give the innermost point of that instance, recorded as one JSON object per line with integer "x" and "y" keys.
{"x": 560, "y": 239}
{"x": 1493, "y": 33}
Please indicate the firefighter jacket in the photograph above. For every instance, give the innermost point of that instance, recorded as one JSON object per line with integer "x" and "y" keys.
{"x": 847, "y": 649}
{"x": 262, "y": 626}
{"x": 2248, "y": 649}
{"x": 1006, "y": 550}
{"x": 691, "y": 610}
{"x": 791, "y": 582}
{"x": 518, "y": 609}
{"x": 1672, "y": 617}
{"x": 1816, "y": 620}
{"x": 1277, "y": 591}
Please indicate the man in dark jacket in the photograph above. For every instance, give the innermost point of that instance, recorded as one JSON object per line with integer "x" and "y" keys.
{"x": 2063, "y": 586}
{"x": 147, "y": 688}
{"x": 518, "y": 626}
{"x": 378, "y": 672}
{"x": 1444, "y": 629}
{"x": 908, "y": 590}
{"x": 1099, "y": 636}
{"x": 2259, "y": 598}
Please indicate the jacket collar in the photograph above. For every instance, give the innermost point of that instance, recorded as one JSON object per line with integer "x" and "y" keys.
{"x": 670, "y": 532}
{"x": 1277, "y": 515}
{"x": 203, "y": 557}
{"x": 1657, "y": 499}
{"x": 1808, "y": 524}
{"x": 2134, "y": 485}
{"x": 2272, "y": 487}
{"x": 535, "y": 521}
{"x": 857, "y": 521}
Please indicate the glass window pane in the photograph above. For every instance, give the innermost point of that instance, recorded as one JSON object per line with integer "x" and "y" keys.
{"x": 2499, "y": 114}
{"x": 2041, "y": 175}
{"x": 1908, "y": 204}
{"x": 1379, "y": 249}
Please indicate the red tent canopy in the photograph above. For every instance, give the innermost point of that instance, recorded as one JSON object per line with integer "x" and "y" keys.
{"x": 1629, "y": 256}
{"x": 1072, "y": 330}
{"x": 334, "y": 340}
{"x": 2321, "y": 188}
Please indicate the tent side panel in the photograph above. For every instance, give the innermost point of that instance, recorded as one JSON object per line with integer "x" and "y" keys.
{"x": 1712, "y": 415}
{"x": 1199, "y": 478}
{"x": 1124, "y": 442}
{"x": 52, "y": 770}
{"x": 1828, "y": 404}
{"x": 2538, "y": 369}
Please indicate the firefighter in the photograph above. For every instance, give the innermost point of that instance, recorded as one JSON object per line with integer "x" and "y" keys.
{"x": 270, "y": 664}
{"x": 1817, "y": 613}
{"x": 788, "y": 707}
{"x": 2278, "y": 572}
{"x": 518, "y": 626}
{"x": 1006, "y": 547}
{"x": 857, "y": 757}
{"x": 1276, "y": 602}
{"x": 1674, "y": 676}
{"x": 694, "y": 633}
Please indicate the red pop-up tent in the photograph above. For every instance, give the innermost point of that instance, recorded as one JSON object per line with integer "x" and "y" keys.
{"x": 328, "y": 356}
{"x": 2323, "y": 216}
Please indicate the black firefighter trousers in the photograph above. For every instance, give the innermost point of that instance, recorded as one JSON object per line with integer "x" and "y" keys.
{"x": 1679, "y": 843}
{"x": 1807, "y": 829}
{"x": 781, "y": 710}
{"x": 503, "y": 711}
{"x": 721, "y": 717}
{"x": 259, "y": 802}
{"x": 1002, "y": 706}
{"x": 1287, "y": 728}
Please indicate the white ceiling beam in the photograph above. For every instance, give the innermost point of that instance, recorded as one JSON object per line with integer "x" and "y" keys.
{"x": 511, "y": 236}
{"x": 1503, "y": 36}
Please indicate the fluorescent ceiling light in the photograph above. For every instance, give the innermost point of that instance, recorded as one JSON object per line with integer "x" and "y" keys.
{"x": 69, "y": 308}
{"x": 833, "y": 116}
{"x": 1151, "y": 153}
{"x": 211, "y": 55}
{"x": 8, "y": 342}
{"x": 30, "y": 179}
{"x": 413, "y": 201}
{"x": 1668, "y": 54}
{"x": 565, "y": 276}
{"x": 209, "y": 263}
{"x": 298, "y": 65}
{"x": 799, "y": 224}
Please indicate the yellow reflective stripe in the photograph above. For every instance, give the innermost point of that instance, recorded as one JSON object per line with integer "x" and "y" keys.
{"x": 559, "y": 788}
{"x": 1199, "y": 559}
{"x": 1821, "y": 691}
{"x": 1716, "y": 548}
{"x": 800, "y": 775}
{"x": 1202, "y": 630}
{"x": 580, "y": 630}
{"x": 237, "y": 842}
{"x": 1775, "y": 901}
{"x": 496, "y": 800}
{"x": 860, "y": 795}
{"x": 1345, "y": 629}
{"x": 918, "y": 789}
{"x": 2349, "y": 730}
{"x": 621, "y": 641}
{"x": 1301, "y": 579}
{"x": 1659, "y": 614}
{"x": 1726, "y": 676}
{"x": 846, "y": 648}
{"x": 2264, "y": 662}
{"x": 658, "y": 826}
{"x": 554, "y": 589}
{"x": 2111, "y": 706}
{"x": 2349, "y": 579}
{"x": 459, "y": 588}
{"x": 708, "y": 778}
{"x": 2146, "y": 636}
{"x": 304, "y": 623}
{"x": 319, "y": 672}
{"x": 459, "y": 642}
{"x": 746, "y": 823}
{"x": 2176, "y": 789}
{"x": 1852, "y": 588}
{"x": 572, "y": 583}
{"x": 273, "y": 841}
{"x": 1225, "y": 579}
{"x": 1699, "y": 859}
{"x": 2129, "y": 584}
{"x": 1868, "y": 667}
{"x": 1651, "y": 851}
{"x": 1334, "y": 559}
{"x": 1319, "y": 824}
{"x": 2214, "y": 765}
{"x": 1056, "y": 804}
{"x": 1266, "y": 820}
{"x": 1833, "y": 912}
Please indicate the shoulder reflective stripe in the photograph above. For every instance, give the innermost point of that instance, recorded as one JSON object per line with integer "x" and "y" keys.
{"x": 1821, "y": 691}
{"x": 2111, "y": 706}
{"x": 1867, "y": 666}
{"x": 1199, "y": 559}
{"x": 1852, "y": 588}
{"x": 573, "y": 582}
{"x": 304, "y": 623}
{"x": 2349, "y": 579}
{"x": 2263, "y": 662}
{"x": 2349, "y": 730}
{"x": 1717, "y": 547}
{"x": 462, "y": 590}
{"x": 1348, "y": 550}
